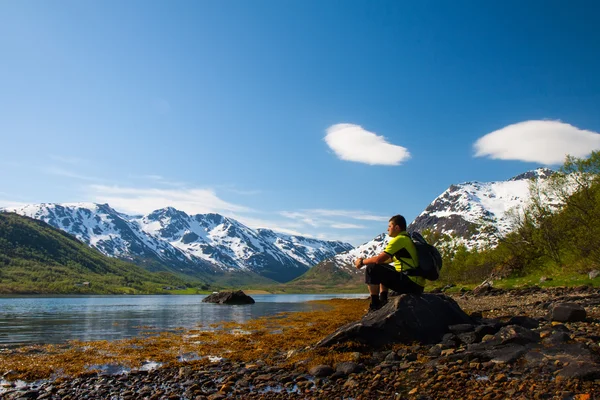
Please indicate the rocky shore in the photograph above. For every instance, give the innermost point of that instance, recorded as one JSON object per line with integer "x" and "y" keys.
{"x": 517, "y": 349}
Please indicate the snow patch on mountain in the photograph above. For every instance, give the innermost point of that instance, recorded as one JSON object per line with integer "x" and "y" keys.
{"x": 478, "y": 214}
{"x": 189, "y": 243}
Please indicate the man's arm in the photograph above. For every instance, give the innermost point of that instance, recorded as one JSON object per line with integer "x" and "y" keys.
{"x": 383, "y": 258}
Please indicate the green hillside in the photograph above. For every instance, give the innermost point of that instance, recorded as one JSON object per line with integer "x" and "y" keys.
{"x": 325, "y": 277}
{"x": 37, "y": 258}
{"x": 561, "y": 244}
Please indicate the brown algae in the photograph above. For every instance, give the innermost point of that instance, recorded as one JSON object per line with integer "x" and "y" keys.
{"x": 284, "y": 339}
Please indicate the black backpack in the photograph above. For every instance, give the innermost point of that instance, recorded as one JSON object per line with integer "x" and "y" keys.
{"x": 430, "y": 259}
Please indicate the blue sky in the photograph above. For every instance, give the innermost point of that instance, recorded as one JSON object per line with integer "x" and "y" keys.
{"x": 322, "y": 118}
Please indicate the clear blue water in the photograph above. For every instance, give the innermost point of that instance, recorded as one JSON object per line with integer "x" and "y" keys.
{"x": 41, "y": 320}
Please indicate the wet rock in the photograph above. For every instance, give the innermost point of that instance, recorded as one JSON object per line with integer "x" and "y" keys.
{"x": 517, "y": 334}
{"x": 525, "y": 322}
{"x": 347, "y": 367}
{"x": 469, "y": 338}
{"x": 404, "y": 319}
{"x": 435, "y": 351}
{"x": 321, "y": 370}
{"x": 482, "y": 330}
{"x": 238, "y": 297}
{"x": 567, "y": 312}
{"x": 556, "y": 338}
{"x": 508, "y": 354}
{"x": 581, "y": 370}
{"x": 450, "y": 339}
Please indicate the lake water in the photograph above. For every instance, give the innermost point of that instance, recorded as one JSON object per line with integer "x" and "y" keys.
{"x": 41, "y": 320}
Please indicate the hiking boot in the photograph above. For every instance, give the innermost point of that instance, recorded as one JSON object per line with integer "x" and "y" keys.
{"x": 373, "y": 307}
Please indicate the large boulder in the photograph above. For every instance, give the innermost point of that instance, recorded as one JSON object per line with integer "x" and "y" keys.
{"x": 567, "y": 312}
{"x": 238, "y": 297}
{"x": 404, "y": 319}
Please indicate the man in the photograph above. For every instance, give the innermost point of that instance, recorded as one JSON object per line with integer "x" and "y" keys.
{"x": 380, "y": 276}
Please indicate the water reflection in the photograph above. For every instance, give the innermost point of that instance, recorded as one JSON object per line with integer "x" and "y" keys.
{"x": 40, "y": 320}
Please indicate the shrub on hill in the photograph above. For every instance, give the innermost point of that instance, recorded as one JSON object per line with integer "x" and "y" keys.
{"x": 559, "y": 230}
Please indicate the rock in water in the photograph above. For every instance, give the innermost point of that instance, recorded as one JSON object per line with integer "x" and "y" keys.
{"x": 404, "y": 319}
{"x": 238, "y": 297}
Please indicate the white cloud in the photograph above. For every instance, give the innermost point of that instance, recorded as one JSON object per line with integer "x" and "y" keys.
{"x": 353, "y": 143}
{"x": 546, "y": 142}
{"x": 347, "y": 226}
{"x": 320, "y": 218}
{"x": 143, "y": 201}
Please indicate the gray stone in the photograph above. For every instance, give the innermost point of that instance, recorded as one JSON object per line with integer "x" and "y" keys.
{"x": 508, "y": 354}
{"x": 517, "y": 334}
{"x": 581, "y": 370}
{"x": 238, "y": 297}
{"x": 347, "y": 367}
{"x": 594, "y": 274}
{"x": 469, "y": 338}
{"x": 556, "y": 338}
{"x": 483, "y": 330}
{"x": 321, "y": 370}
{"x": 567, "y": 312}
{"x": 525, "y": 322}
{"x": 404, "y": 319}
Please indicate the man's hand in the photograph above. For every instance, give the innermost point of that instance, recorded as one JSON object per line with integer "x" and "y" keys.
{"x": 359, "y": 263}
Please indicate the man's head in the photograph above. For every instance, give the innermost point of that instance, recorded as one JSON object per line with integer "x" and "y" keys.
{"x": 397, "y": 224}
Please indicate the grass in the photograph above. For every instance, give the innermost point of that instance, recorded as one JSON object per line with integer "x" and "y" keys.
{"x": 554, "y": 278}
{"x": 277, "y": 339}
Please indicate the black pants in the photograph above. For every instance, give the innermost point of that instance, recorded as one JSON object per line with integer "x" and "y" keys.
{"x": 388, "y": 276}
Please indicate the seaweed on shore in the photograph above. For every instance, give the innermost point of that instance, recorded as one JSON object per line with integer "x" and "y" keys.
{"x": 284, "y": 338}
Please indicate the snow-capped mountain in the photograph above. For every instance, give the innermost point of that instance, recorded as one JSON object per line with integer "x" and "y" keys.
{"x": 475, "y": 213}
{"x": 343, "y": 263}
{"x": 479, "y": 213}
{"x": 192, "y": 244}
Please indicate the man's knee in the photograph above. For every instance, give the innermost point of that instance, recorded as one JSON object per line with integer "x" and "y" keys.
{"x": 371, "y": 274}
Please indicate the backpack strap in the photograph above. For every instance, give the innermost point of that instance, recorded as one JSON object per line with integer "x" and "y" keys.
{"x": 404, "y": 254}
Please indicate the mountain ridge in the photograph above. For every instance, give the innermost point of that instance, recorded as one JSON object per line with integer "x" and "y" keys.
{"x": 201, "y": 245}
{"x": 38, "y": 258}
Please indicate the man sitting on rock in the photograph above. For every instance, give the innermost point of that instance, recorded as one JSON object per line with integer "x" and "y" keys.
{"x": 380, "y": 275}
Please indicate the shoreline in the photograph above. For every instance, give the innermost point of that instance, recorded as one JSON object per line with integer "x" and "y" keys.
{"x": 399, "y": 372}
